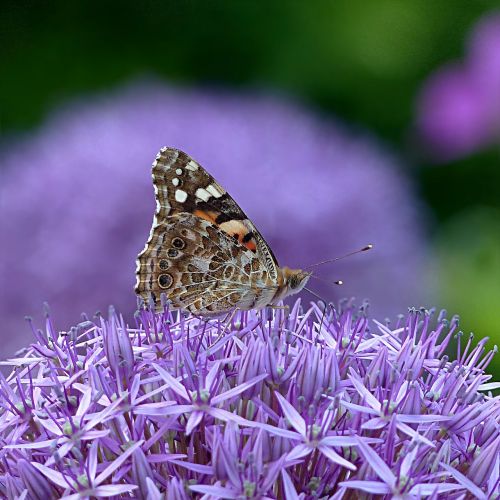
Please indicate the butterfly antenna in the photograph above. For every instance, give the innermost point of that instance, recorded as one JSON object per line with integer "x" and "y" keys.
{"x": 324, "y": 309}
{"x": 331, "y": 283}
{"x": 315, "y": 294}
{"x": 364, "y": 249}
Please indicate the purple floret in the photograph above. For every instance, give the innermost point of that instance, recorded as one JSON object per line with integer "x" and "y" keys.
{"x": 292, "y": 404}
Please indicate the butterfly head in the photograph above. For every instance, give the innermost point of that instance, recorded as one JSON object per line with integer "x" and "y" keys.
{"x": 294, "y": 280}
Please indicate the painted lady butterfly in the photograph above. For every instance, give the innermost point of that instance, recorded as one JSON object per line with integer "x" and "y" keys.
{"x": 203, "y": 252}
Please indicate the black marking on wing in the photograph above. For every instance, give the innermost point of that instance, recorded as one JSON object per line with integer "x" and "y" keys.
{"x": 247, "y": 237}
{"x": 228, "y": 208}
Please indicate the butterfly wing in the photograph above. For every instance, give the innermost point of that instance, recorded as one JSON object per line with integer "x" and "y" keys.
{"x": 189, "y": 198}
{"x": 183, "y": 185}
{"x": 200, "y": 268}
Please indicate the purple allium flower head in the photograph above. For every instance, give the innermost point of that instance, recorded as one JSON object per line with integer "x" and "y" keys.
{"x": 77, "y": 198}
{"x": 351, "y": 406}
{"x": 459, "y": 106}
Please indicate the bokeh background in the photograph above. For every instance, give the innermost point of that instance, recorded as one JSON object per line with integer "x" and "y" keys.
{"x": 333, "y": 123}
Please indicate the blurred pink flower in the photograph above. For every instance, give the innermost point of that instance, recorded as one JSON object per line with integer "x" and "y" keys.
{"x": 77, "y": 198}
{"x": 458, "y": 110}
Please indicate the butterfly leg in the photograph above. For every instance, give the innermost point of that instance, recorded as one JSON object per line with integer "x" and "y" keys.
{"x": 325, "y": 309}
{"x": 286, "y": 307}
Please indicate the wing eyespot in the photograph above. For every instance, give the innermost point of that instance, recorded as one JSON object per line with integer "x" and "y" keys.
{"x": 178, "y": 243}
{"x": 164, "y": 264}
{"x": 165, "y": 281}
{"x": 173, "y": 253}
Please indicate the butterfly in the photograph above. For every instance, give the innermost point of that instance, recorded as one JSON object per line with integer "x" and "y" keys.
{"x": 203, "y": 252}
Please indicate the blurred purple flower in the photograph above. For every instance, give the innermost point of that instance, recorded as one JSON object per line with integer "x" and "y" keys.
{"x": 484, "y": 60}
{"x": 77, "y": 199}
{"x": 458, "y": 110}
{"x": 390, "y": 413}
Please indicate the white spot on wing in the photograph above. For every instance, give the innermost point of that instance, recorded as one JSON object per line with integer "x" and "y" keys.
{"x": 175, "y": 181}
{"x": 202, "y": 194}
{"x": 158, "y": 207}
{"x": 180, "y": 196}
{"x": 178, "y": 171}
{"x": 215, "y": 192}
{"x": 193, "y": 166}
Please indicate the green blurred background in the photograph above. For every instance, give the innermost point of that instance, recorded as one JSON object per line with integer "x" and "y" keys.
{"x": 363, "y": 61}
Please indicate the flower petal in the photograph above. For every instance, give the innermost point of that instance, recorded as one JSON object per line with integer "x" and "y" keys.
{"x": 110, "y": 490}
{"x": 377, "y": 464}
{"x": 414, "y": 434}
{"x": 434, "y": 488}
{"x": 347, "y": 440}
{"x": 84, "y": 402}
{"x": 237, "y": 390}
{"x": 336, "y": 458}
{"x": 465, "y": 482}
{"x": 291, "y": 414}
{"x": 374, "y": 487}
{"x": 117, "y": 462}
{"x": 55, "y": 476}
{"x": 288, "y": 487}
{"x": 374, "y": 424}
{"x": 365, "y": 394}
{"x": 199, "y": 468}
{"x": 227, "y": 416}
{"x": 152, "y": 409}
{"x": 194, "y": 419}
{"x": 300, "y": 451}
{"x": 175, "y": 385}
{"x": 217, "y": 491}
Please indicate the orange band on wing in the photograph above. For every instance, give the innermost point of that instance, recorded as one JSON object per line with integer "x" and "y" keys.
{"x": 251, "y": 245}
{"x": 209, "y": 216}
{"x": 234, "y": 228}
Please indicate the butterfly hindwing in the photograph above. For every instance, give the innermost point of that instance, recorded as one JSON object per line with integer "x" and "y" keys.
{"x": 198, "y": 266}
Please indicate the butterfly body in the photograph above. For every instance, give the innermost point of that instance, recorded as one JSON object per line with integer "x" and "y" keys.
{"x": 203, "y": 252}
